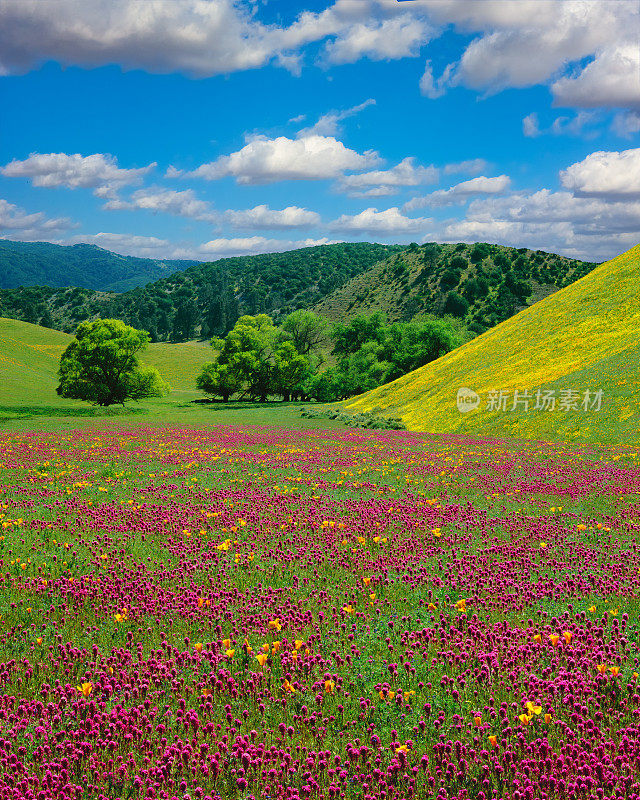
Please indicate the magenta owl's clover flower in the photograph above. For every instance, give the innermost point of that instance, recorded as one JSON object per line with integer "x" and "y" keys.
{"x": 464, "y": 617}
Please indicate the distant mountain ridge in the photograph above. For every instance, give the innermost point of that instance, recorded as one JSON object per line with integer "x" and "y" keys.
{"x": 206, "y": 298}
{"x": 85, "y": 265}
{"x": 480, "y": 284}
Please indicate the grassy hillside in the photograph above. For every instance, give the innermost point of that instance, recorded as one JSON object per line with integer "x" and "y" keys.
{"x": 584, "y": 337}
{"x": 178, "y": 363}
{"x": 29, "y": 356}
{"x": 205, "y": 299}
{"x": 484, "y": 284}
{"x": 84, "y": 265}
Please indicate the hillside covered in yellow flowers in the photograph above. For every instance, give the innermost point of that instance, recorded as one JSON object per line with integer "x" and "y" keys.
{"x": 573, "y": 344}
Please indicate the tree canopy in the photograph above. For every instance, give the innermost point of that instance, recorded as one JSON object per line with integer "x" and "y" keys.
{"x": 258, "y": 359}
{"x": 371, "y": 352}
{"x": 101, "y": 365}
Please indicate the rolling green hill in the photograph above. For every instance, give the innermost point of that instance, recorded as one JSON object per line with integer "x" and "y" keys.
{"x": 84, "y": 265}
{"x": 482, "y": 283}
{"x": 585, "y": 337}
{"x": 29, "y": 356}
{"x": 205, "y": 299}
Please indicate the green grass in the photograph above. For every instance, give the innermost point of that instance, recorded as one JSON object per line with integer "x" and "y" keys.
{"x": 29, "y": 356}
{"x": 178, "y": 363}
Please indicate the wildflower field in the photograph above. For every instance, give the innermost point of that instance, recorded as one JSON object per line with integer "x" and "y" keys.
{"x": 255, "y": 612}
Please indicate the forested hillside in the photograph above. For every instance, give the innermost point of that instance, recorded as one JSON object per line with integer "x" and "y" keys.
{"x": 482, "y": 284}
{"x": 206, "y": 299}
{"x": 84, "y": 265}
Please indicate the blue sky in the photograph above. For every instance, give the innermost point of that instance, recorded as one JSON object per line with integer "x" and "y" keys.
{"x": 207, "y": 128}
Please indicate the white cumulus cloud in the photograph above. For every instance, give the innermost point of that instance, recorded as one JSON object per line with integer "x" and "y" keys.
{"x": 589, "y": 228}
{"x": 133, "y": 245}
{"x": 378, "y": 40}
{"x": 168, "y": 201}
{"x": 389, "y": 221}
{"x": 383, "y": 182}
{"x": 527, "y": 45}
{"x": 192, "y": 36}
{"x": 253, "y": 245}
{"x": 264, "y": 160}
{"x": 612, "y": 80}
{"x": 263, "y": 217}
{"x": 98, "y": 171}
{"x": 516, "y": 43}
{"x": 607, "y": 174}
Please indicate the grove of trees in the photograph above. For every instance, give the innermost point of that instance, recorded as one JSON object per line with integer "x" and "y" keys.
{"x": 258, "y": 360}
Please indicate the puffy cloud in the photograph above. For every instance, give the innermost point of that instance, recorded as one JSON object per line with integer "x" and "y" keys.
{"x": 16, "y": 223}
{"x": 590, "y": 228}
{"x": 264, "y": 160}
{"x": 461, "y": 192}
{"x": 154, "y": 247}
{"x": 266, "y": 218}
{"x": 383, "y": 182}
{"x": 240, "y": 246}
{"x": 612, "y": 79}
{"x": 192, "y": 36}
{"x": 529, "y": 46}
{"x": 329, "y": 124}
{"x": 169, "y": 201}
{"x": 390, "y": 221}
{"x": 605, "y": 174}
{"x": 528, "y": 42}
{"x": 316, "y": 242}
{"x": 197, "y": 37}
{"x": 544, "y": 206}
{"x": 398, "y": 37}
{"x": 186, "y": 204}
{"x": 519, "y": 42}
{"x": 98, "y": 171}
